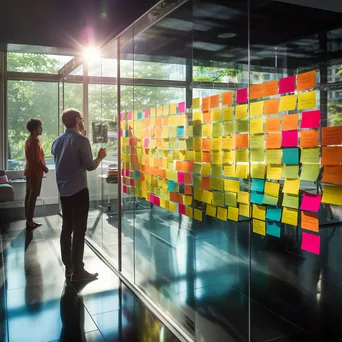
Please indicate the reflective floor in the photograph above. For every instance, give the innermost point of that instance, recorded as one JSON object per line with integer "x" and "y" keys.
{"x": 37, "y": 304}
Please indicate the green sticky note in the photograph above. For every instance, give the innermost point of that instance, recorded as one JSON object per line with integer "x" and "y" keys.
{"x": 309, "y": 155}
{"x": 310, "y": 172}
{"x": 218, "y": 199}
{"x": 216, "y": 170}
{"x": 241, "y": 155}
{"x": 291, "y": 201}
{"x": 242, "y": 125}
{"x": 290, "y": 171}
{"x": 216, "y": 130}
{"x": 197, "y": 131}
{"x": 197, "y": 168}
{"x": 273, "y": 156}
{"x": 190, "y": 144}
{"x": 228, "y": 127}
{"x": 258, "y": 154}
{"x": 197, "y": 182}
{"x": 257, "y": 140}
{"x": 231, "y": 199}
{"x": 270, "y": 200}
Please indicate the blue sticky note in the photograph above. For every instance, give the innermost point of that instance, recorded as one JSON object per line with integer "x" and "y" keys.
{"x": 171, "y": 185}
{"x": 273, "y": 214}
{"x": 140, "y": 116}
{"x": 290, "y": 155}
{"x": 258, "y": 185}
{"x": 257, "y": 197}
{"x": 137, "y": 175}
{"x": 273, "y": 228}
{"x": 180, "y": 131}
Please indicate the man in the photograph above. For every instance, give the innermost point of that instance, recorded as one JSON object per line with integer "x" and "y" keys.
{"x": 73, "y": 157}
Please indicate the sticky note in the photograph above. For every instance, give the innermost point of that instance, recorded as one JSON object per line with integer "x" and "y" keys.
{"x": 180, "y": 131}
{"x": 257, "y": 140}
{"x": 233, "y": 214}
{"x": 227, "y": 98}
{"x": 241, "y": 111}
{"x": 259, "y": 227}
{"x": 273, "y": 228}
{"x": 309, "y": 155}
{"x": 288, "y": 103}
{"x": 216, "y": 129}
{"x": 311, "y": 119}
{"x": 210, "y": 211}
{"x": 272, "y": 125}
{"x": 309, "y": 221}
{"x": 332, "y": 174}
{"x": 309, "y": 138}
{"x": 181, "y": 209}
{"x": 287, "y": 85}
{"x": 332, "y": 194}
{"x": 306, "y": 80}
{"x": 311, "y": 243}
{"x": 274, "y": 171}
{"x": 171, "y": 185}
{"x": 311, "y": 202}
{"x": 230, "y": 199}
{"x": 289, "y": 139}
{"x": 229, "y": 170}
{"x": 259, "y": 212}
{"x": 332, "y": 155}
{"x": 241, "y": 95}
{"x": 257, "y": 197}
{"x": 206, "y": 130}
{"x": 242, "y": 125}
{"x": 198, "y": 215}
{"x": 241, "y": 140}
{"x": 180, "y": 177}
{"x": 290, "y": 216}
{"x": 206, "y": 117}
{"x": 258, "y": 154}
{"x": 214, "y": 101}
{"x": 271, "y": 88}
{"x": 255, "y": 91}
{"x": 290, "y": 201}
{"x": 187, "y": 200}
{"x": 310, "y": 172}
{"x": 332, "y": 135}
{"x": 241, "y": 171}
{"x": 273, "y": 214}
{"x": 205, "y": 183}
{"x": 216, "y": 115}
{"x": 272, "y": 189}
{"x": 206, "y": 169}
{"x": 273, "y": 156}
{"x": 207, "y": 197}
{"x": 256, "y": 125}
{"x": 231, "y": 185}
{"x": 307, "y": 100}
{"x": 291, "y": 186}
{"x": 258, "y": 185}
{"x": 218, "y": 199}
{"x": 244, "y": 210}
{"x": 256, "y": 108}
{"x": 228, "y": 127}
{"x": 227, "y": 143}
{"x": 243, "y": 197}
{"x": 290, "y": 171}
{"x": 196, "y": 103}
{"x": 228, "y": 156}
{"x": 222, "y": 214}
{"x": 270, "y": 200}
{"x": 290, "y": 156}
{"x": 258, "y": 171}
{"x": 181, "y": 107}
{"x": 216, "y": 183}
{"x": 273, "y": 140}
{"x": 241, "y": 155}
{"x": 227, "y": 114}
{"x": 271, "y": 106}
{"x": 289, "y": 122}
{"x": 198, "y": 194}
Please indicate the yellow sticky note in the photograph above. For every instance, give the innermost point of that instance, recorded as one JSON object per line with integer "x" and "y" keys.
{"x": 272, "y": 189}
{"x": 206, "y": 130}
{"x": 198, "y": 194}
{"x": 181, "y": 119}
{"x": 258, "y": 154}
{"x": 206, "y": 169}
{"x": 332, "y": 194}
{"x": 172, "y": 207}
{"x": 231, "y": 199}
{"x": 307, "y": 100}
{"x": 291, "y": 186}
{"x": 244, "y": 210}
{"x": 189, "y": 212}
{"x": 290, "y": 216}
{"x": 198, "y": 157}
{"x": 242, "y": 125}
{"x": 216, "y": 143}
{"x": 256, "y": 125}
{"x": 287, "y": 103}
{"x": 241, "y": 155}
{"x": 172, "y": 121}
{"x": 197, "y": 116}
{"x": 218, "y": 199}
{"x": 258, "y": 171}
{"x": 159, "y": 111}
{"x": 196, "y": 103}
{"x": 257, "y": 140}
{"x": 216, "y": 115}
{"x": 274, "y": 171}
{"x": 222, "y": 214}
{"x": 228, "y": 127}
{"x": 216, "y": 183}
{"x": 166, "y": 110}
{"x": 256, "y": 108}
{"x": 229, "y": 170}
{"x": 241, "y": 171}
{"x": 207, "y": 197}
{"x": 227, "y": 114}
{"x": 228, "y": 143}
{"x": 243, "y": 197}
{"x": 228, "y": 156}
{"x": 241, "y": 111}
{"x": 233, "y": 214}
{"x": 217, "y": 157}
{"x": 259, "y": 227}
{"x": 231, "y": 185}
{"x": 198, "y": 215}
{"x": 173, "y": 109}
{"x": 273, "y": 156}
{"x": 259, "y": 212}
{"x": 211, "y": 210}
{"x": 187, "y": 200}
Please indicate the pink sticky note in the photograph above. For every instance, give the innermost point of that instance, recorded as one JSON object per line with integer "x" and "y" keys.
{"x": 289, "y": 139}
{"x": 311, "y": 119}
{"x": 181, "y": 209}
{"x": 122, "y": 116}
{"x": 127, "y": 173}
{"x": 125, "y": 189}
{"x": 146, "y": 142}
{"x": 181, "y": 107}
{"x": 131, "y": 142}
{"x": 121, "y": 133}
{"x": 151, "y": 198}
{"x": 131, "y": 182}
{"x": 311, "y": 243}
{"x": 132, "y": 149}
{"x": 130, "y": 116}
{"x": 287, "y": 85}
{"x": 180, "y": 177}
{"x": 311, "y": 202}
{"x": 241, "y": 95}
{"x": 146, "y": 113}
{"x": 156, "y": 200}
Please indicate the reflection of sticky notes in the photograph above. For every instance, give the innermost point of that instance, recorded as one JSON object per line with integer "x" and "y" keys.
{"x": 270, "y": 200}
{"x": 222, "y": 214}
{"x": 273, "y": 228}
{"x": 218, "y": 199}
{"x": 181, "y": 209}
{"x": 230, "y": 199}
{"x": 271, "y": 88}
{"x": 258, "y": 171}
{"x": 332, "y": 174}
{"x": 272, "y": 189}
{"x": 291, "y": 186}
{"x": 287, "y": 85}
{"x": 198, "y": 215}
{"x": 290, "y": 171}
{"x": 259, "y": 212}
{"x": 211, "y": 210}
{"x": 231, "y": 185}
{"x": 241, "y": 111}
{"x": 272, "y": 125}
{"x": 258, "y": 154}
{"x": 310, "y": 172}
{"x": 244, "y": 210}
{"x": 306, "y": 80}
{"x": 311, "y": 119}
{"x": 273, "y": 140}
{"x": 257, "y": 197}
{"x": 289, "y": 139}
{"x": 274, "y": 171}
{"x": 309, "y": 221}
{"x": 207, "y": 197}
{"x": 332, "y": 135}
{"x": 271, "y": 106}
{"x": 257, "y": 140}
{"x": 273, "y": 214}
{"x": 290, "y": 216}
{"x": 311, "y": 243}
{"x": 311, "y": 202}
{"x": 259, "y": 227}
{"x": 181, "y": 107}
{"x": 243, "y": 197}
{"x": 255, "y": 91}
{"x": 256, "y": 108}
{"x": 289, "y": 122}
{"x": 332, "y": 194}
{"x": 241, "y": 95}
{"x": 290, "y": 201}
{"x": 242, "y": 125}
{"x": 256, "y": 125}
{"x": 288, "y": 103}
{"x": 309, "y": 155}
{"x": 258, "y": 185}
{"x": 290, "y": 156}
{"x": 242, "y": 141}
{"x": 307, "y": 100}
{"x": 332, "y": 155}
{"x": 227, "y": 98}
{"x": 273, "y": 156}
{"x": 180, "y": 131}
{"x": 227, "y": 114}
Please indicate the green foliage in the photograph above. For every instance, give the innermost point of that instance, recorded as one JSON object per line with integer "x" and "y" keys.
{"x": 335, "y": 114}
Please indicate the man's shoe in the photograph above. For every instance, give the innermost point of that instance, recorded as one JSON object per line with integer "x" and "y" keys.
{"x": 83, "y": 276}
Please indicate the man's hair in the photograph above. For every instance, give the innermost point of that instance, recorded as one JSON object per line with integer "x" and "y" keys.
{"x": 69, "y": 117}
{"x": 33, "y": 124}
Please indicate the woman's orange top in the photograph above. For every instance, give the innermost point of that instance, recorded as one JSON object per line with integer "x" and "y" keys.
{"x": 34, "y": 154}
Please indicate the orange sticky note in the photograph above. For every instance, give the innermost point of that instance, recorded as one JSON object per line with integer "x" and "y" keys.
{"x": 187, "y": 178}
{"x": 310, "y": 221}
{"x": 214, "y": 101}
{"x": 332, "y": 155}
{"x": 255, "y": 91}
{"x": 227, "y": 98}
{"x": 206, "y": 117}
{"x": 307, "y": 80}
{"x": 206, "y": 157}
{"x": 309, "y": 138}
{"x": 272, "y": 125}
{"x": 271, "y": 88}
{"x": 271, "y": 106}
{"x": 332, "y": 174}
{"x": 205, "y": 104}
{"x": 289, "y": 122}
{"x": 206, "y": 143}
{"x": 332, "y": 135}
{"x": 273, "y": 140}
{"x": 188, "y": 190}
{"x": 242, "y": 141}
{"x": 205, "y": 183}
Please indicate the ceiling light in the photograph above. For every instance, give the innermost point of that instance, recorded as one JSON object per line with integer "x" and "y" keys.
{"x": 227, "y": 35}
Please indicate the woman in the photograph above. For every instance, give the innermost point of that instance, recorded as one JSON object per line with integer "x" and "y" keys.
{"x": 34, "y": 170}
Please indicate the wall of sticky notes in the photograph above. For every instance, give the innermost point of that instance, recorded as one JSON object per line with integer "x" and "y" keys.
{"x": 254, "y": 153}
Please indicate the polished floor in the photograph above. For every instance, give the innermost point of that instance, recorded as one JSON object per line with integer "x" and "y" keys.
{"x": 38, "y": 305}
